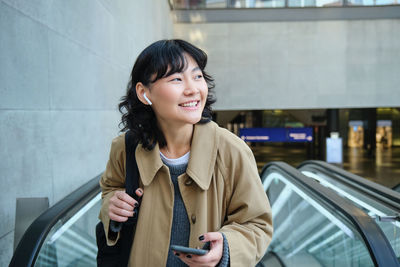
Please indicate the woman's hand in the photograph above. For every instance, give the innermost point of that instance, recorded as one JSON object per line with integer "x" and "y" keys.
{"x": 121, "y": 205}
{"x": 212, "y": 258}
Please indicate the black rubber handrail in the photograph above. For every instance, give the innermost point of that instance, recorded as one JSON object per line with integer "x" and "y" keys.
{"x": 376, "y": 242}
{"x": 376, "y": 191}
{"x": 31, "y": 242}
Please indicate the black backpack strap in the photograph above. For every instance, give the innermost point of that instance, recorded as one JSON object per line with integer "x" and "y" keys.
{"x": 132, "y": 171}
{"x": 131, "y": 168}
{"x": 131, "y": 184}
{"x": 118, "y": 255}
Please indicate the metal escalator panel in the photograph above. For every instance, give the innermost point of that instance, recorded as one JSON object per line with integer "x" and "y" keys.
{"x": 315, "y": 227}
{"x": 383, "y": 206}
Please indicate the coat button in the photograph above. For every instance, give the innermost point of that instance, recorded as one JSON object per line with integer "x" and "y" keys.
{"x": 188, "y": 182}
{"x": 193, "y": 218}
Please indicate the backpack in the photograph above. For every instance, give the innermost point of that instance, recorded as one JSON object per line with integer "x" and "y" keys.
{"x": 118, "y": 255}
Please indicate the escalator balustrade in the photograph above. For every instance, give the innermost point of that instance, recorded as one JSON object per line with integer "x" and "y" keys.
{"x": 315, "y": 227}
{"x": 381, "y": 203}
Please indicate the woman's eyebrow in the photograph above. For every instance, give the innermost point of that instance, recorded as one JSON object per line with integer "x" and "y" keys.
{"x": 196, "y": 69}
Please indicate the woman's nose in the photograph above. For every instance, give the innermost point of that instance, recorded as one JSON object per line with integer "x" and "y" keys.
{"x": 190, "y": 88}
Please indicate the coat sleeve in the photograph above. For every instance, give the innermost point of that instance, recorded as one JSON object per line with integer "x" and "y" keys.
{"x": 113, "y": 179}
{"x": 248, "y": 223}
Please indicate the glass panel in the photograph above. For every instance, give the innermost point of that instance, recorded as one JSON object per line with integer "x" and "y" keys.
{"x": 195, "y": 4}
{"x": 72, "y": 240}
{"x": 256, "y": 3}
{"x": 314, "y": 3}
{"x": 201, "y": 4}
{"x": 216, "y": 3}
{"x": 371, "y": 2}
{"x": 390, "y": 227}
{"x": 308, "y": 233}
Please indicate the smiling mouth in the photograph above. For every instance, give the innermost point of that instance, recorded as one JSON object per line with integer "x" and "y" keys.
{"x": 190, "y": 104}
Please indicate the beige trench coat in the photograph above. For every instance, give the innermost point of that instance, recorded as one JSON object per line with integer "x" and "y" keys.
{"x": 221, "y": 190}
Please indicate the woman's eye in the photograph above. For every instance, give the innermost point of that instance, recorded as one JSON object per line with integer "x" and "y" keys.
{"x": 199, "y": 76}
{"x": 176, "y": 80}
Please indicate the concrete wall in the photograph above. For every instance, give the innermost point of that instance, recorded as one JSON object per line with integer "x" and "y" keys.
{"x": 63, "y": 67}
{"x": 301, "y": 64}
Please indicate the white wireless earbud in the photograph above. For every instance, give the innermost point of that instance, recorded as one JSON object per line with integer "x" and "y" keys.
{"x": 147, "y": 99}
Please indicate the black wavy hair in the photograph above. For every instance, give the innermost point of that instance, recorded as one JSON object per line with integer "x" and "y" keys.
{"x": 159, "y": 60}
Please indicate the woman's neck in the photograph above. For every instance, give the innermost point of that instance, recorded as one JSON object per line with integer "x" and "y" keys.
{"x": 178, "y": 140}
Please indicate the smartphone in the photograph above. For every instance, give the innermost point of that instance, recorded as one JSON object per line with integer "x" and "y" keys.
{"x": 187, "y": 250}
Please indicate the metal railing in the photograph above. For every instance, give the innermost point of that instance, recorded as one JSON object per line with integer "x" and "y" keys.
{"x": 234, "y": 4}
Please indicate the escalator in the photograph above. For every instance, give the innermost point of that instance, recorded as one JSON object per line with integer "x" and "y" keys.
{"x": 313, "y": 227}
{"x": 64, "y": 235}
{"x": 381, "y": 203}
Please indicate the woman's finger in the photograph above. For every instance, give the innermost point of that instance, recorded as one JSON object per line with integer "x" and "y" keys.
{"x": 118, "y": 218}
{"x": 187, "y": 259}
{"x": 120, "y": 207}
{"x": 121, "y": 204}
{"x": 211, "y": 236}
{"x": 121, "y": 195}
{"x": 198, "y": 261}
{"x": 212, "y": 257}
{"x": 120, "y": 212}
{"x": 139, "y": 192}
{"x": 124, "y": 201}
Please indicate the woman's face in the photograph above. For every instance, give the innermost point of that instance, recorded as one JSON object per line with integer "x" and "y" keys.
{"x": 180, "y": 98}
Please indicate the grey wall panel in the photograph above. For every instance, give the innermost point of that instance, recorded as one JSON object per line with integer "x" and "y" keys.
{"x": 87, "y": 23}
{"x": 23, "y": 61}
{"x": 301, "y": 64}
{"x": 63, "y": 67}
{"x": 6, "y": 248}
{"x": 80, "y": 80}
{"x": 82, "y": 140}
{"x": 26, "y": 162}
{"x": 38, "y": 10}
{"x": 125, "y": 48}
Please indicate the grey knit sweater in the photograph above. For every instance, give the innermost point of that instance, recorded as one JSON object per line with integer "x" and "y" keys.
{"x": 180, "y": 223}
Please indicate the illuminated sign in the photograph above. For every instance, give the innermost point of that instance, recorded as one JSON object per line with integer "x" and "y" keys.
{"x": 334, "y": 150}
{"x": 304, "y": 134}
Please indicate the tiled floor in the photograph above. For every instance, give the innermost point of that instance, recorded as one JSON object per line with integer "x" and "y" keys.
{"x": 383, "y": 169}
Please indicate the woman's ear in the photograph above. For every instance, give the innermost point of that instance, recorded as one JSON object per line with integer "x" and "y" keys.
{"x": 141, "y": 91}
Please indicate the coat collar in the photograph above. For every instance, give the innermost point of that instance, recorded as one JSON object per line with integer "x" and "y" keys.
{"x": 203, "y": 154}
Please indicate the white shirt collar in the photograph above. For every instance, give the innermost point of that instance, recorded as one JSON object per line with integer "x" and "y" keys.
{"x": 173, "y": 162}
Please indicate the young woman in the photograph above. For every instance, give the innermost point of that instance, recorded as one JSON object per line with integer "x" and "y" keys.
{"x": 199, "y": 182}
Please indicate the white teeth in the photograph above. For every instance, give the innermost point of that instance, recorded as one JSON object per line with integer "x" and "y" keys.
{"x": 190, "y": 104}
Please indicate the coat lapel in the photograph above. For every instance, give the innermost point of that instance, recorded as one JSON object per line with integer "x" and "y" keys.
{"x": 203, "y": 153}
{"x": 149, "y": 163}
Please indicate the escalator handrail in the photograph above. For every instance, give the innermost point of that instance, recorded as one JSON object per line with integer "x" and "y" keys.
{"x": 379, "y": 247}
{"x": 30, "y": 244}
{"x": 361, "y": 184}
{"x": 396, "y": 188}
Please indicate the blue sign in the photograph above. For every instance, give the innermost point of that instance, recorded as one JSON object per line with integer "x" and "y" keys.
{"x": 299, "y": 134}
{"x": 277, "y": 134}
